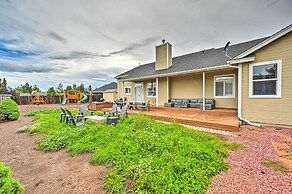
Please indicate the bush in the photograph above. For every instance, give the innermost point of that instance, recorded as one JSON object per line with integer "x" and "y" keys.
{"x": 9, "y": 110}
{"x": 7, "y": 183}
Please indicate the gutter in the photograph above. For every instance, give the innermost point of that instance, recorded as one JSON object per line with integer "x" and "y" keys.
{"x": 179, "y": 73}
{"x": 239, "y": 109}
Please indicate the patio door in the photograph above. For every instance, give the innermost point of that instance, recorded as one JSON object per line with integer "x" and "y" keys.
{"x": 139, "y": 93}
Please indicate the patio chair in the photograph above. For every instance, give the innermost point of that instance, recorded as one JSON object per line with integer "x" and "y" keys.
{"x": 112, "y": 112}
{"x": 64, "y": 115}
{"x": 124, "y": 111}
{"x": 83, "y": 110}
{"x": 77, "y": 120}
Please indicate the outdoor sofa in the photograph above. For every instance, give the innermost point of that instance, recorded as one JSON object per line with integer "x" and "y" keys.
{"x": 190, "y": 103}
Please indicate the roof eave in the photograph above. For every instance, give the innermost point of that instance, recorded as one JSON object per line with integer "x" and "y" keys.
{"x": 272, "y": 38}
{"x": 226, "y": 66}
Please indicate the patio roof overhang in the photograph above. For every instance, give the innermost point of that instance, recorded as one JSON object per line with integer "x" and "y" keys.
{"x": 226, "y": 66}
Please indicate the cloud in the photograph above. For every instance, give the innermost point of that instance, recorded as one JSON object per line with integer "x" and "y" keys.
{"x": 10, "y": 66}
{"x": 57, "y": 37}
{"x": 45, "y": 41}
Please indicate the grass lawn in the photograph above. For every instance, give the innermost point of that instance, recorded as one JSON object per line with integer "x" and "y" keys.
{"x": 147, "y": 156}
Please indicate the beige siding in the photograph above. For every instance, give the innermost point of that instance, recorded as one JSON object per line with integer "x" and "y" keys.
{"x": 169, "y": 55}
{"x": 162, "y": 91}
{"x": 187, "y": 86}
{"x": 272, "y": 111}
{"x": 110, "y": 97}
{"x": 163, "y": 56}
{"x": 190, "y": 86}
{"x": 130, "y": 97}
{"x": 221, "y": 102}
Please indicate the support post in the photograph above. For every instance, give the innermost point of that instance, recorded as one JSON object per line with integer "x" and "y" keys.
{"x": 157, "y": 92}
{"x": 204, "y": 90}
{"x": 167, "y": 88}
{"x": 239, "y": 91}
{"x": 123, "y": 92}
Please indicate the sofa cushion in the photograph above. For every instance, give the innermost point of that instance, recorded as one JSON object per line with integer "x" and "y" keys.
{"x": 209, "y": 101}
{"x": 193, "y": 100}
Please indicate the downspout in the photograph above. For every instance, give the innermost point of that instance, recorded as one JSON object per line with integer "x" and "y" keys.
{"x": 239, "y": 111}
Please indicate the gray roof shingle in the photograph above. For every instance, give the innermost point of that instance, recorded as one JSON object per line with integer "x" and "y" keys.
{"x": 197, "y": 60}
{"x": 112, "y": 85}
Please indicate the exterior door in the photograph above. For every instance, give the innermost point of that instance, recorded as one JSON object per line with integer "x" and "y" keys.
{"x": 139, "y": 93}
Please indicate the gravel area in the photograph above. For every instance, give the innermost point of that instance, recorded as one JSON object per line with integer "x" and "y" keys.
{"x": 247, "y": 174}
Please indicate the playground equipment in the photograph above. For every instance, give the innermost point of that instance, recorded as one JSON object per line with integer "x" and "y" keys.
{"x": 74, "y": 96}
{"x": 37, "y": 99}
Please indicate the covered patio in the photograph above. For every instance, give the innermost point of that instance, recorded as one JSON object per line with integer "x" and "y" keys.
{"x": 222, "y": 119}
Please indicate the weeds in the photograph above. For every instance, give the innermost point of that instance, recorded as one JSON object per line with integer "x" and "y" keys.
{"x": 7, "y": 183}
{"x": 155, "y": 157}
{"x": 275, "y": 165}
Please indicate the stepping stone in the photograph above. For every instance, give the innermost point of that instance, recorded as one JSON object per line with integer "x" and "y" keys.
{"x": 282, "y": 153}
{"x": 280, "y": 146}
{"x": 287, "y": 163}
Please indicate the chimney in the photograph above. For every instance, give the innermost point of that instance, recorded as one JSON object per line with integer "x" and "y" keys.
{"x": 163, "y": 56}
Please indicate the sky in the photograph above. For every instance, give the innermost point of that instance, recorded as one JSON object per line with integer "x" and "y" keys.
{"x": 91, "y": 41}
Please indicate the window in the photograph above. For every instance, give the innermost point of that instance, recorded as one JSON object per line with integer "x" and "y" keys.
{"x": 265, "y": 79}
{"x": 127, "y": 91}
{"x": 224, "y": 86}
{"x": 151, "y": 89}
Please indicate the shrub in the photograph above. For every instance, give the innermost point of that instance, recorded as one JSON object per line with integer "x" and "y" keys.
{"x": 9, "y": 110}
{"x": 7, "y": 183}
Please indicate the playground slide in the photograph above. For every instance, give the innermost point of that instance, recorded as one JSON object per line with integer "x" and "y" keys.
{"x": 84, "y": 98}
{"x": 64, "y": 101}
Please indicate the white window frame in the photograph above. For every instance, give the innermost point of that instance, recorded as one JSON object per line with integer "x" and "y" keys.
{"x": 129, "y": 93}
{"x": 147, "y": 90}
{"x": 233, "y": 89}
{"x": 278, "y": 79}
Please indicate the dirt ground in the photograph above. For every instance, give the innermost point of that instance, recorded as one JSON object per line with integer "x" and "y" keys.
{"x": 41, "y": 172}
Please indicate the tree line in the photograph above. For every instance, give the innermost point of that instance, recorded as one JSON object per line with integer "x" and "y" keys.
{"x": 27, "y": 88}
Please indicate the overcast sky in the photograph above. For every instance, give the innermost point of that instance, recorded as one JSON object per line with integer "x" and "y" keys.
{"x": 64, "y": 41}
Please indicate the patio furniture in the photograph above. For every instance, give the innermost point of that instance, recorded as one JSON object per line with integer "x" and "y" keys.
{"x": 64, "y": 115}
{"x": 124, "y": 111}
{"x": 77, "y": 120}
{"x": 209, "y": 104}
{"x": 112, "y": 120}
{"x": 112, "y": 112}
{"x": 196, "y": 103}
{"x": 170, "y": 102}
{"x": 142, "y": 106}
{"x": 83, "y": 110}
{"x": 182, "y": 103}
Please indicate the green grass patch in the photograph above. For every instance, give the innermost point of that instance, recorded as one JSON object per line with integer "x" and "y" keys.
{"x": 155, "y": 157}
{"x": 275, "y": 165}
{"x": 7, "y": 183}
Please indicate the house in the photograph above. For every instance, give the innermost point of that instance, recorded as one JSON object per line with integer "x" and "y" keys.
{"x": 108, "y": 92}
{"x": 253, "y": 77}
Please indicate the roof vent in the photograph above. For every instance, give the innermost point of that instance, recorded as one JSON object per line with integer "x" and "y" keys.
{"x": 163, "y": 41}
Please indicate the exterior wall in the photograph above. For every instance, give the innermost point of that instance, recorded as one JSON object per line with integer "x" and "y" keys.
{"x": 110, "y": 97}
{"x": 191, "y": 86}
{"x": 130, "y": 97}
{"x": 162, "y": 91}
{"x": 269, "y": 110}
{"x": 187, "y": 86}
{"x": 163, "y": 56}
{"x": 221, "y": 102}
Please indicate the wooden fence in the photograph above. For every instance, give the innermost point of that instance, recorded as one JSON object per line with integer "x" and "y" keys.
{"x": 25, "y": 100}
